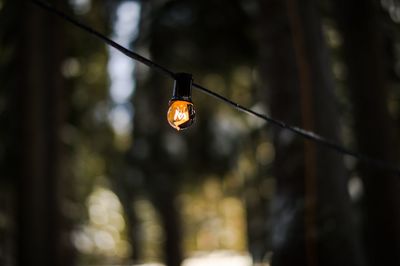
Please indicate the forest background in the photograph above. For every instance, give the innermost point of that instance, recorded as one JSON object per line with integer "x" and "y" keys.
{"x": 92, "y": 174}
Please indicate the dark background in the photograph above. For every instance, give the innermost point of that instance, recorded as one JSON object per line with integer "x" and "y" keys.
{"x": 92, "y": 174}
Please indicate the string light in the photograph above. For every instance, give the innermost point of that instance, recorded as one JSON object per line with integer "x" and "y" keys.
{"x": 384, "y": 165}
{"x": 181, "y": 112}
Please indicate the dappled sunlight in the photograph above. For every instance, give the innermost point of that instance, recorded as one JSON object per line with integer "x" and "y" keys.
{"x": 215, "y": 81}
{"x": 151, "y": 230}
{"x": 104, "y": 234}
{"x": 355, "y": 188}
{"x": 149, "y": 264}
{"x": 121, "y": 119}
{"x": 120, "y": 70}
{"x": 265, "y": 153}
{"x": 254, "y": 123}
{"x": 215, "y": 258}
{"x": 219, "y": 258}
{"x": 71, "y": 68}
{"x": 81, "y": 6}
{"x": 241, "y": 85}
{"x": 213, "y": 220}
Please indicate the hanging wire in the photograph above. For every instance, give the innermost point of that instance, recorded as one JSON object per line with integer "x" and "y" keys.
{"x": 102, "y": 37}
{"x": 384, "y": 165}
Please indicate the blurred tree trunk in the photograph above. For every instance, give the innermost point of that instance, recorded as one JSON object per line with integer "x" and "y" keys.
{"x": 39, "y": 104}
{"x": 127, "y": 191}
{"x": 364, "y": 54}
{"x": 8, "y": 20}
{"x": 257, "y": 202}
{"x": 160, "y": 168}
{"x": 312, "y": 211}
{"x": 170, "y": 219}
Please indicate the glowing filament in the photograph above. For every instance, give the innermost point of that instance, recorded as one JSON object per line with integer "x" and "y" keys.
{"x": 180, "y": 114}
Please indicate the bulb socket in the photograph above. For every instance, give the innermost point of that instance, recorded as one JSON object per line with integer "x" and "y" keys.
{"x": 182, "y": 87}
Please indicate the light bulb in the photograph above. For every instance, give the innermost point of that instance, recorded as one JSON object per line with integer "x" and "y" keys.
{"x": 181, "y": 114}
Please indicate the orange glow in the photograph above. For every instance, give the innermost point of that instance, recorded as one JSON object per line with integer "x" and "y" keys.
{"x": 180, "y": 114}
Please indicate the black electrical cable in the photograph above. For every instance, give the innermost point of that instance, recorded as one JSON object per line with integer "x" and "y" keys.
{"x": 306, "y": 134}
{"x": 299, "y": 131}
{"x": 117, "y": 46}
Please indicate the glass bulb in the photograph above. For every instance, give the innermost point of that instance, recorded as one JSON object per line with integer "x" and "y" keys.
{"x": 180, "y": 114}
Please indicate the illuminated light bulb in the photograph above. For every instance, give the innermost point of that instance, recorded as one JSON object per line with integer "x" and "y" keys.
{"x": 181, "y": 114}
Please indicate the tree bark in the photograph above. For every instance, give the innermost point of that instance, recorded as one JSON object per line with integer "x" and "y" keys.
{"x": 363, "y": 52}
{"x": 312, "y": 210}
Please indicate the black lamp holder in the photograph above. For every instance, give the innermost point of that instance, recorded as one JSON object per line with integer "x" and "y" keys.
{"x": 182, "y": 87}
